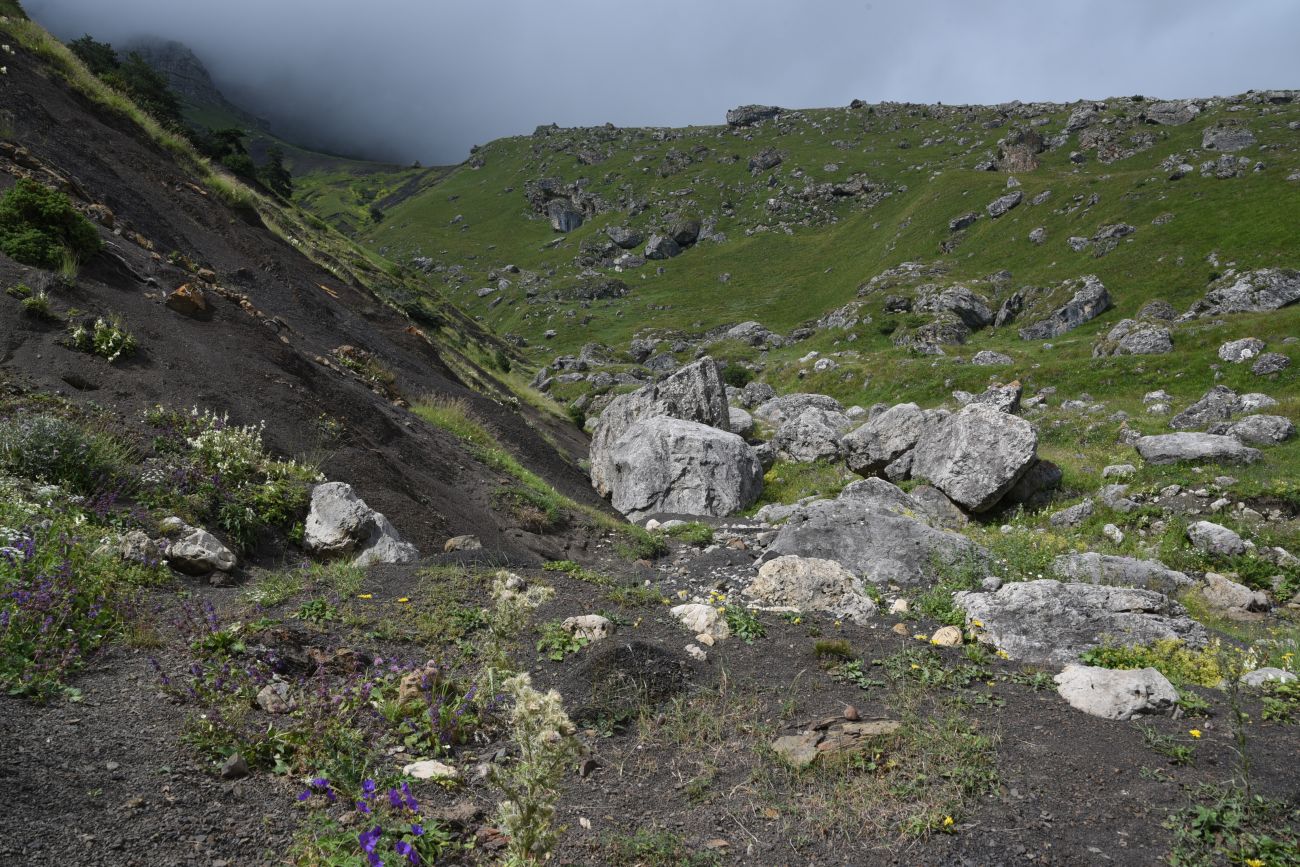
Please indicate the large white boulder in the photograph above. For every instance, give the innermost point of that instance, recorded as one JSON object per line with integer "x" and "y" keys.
{"x": 811, "y": 584}
{"x": 694, "y": 393}
{"x": 340, "y": 522}
{"x": 975, "y": 456}
{"x": 681, "y": 467}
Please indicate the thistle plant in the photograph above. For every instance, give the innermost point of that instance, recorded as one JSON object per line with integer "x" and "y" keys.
{"x": 531, "y": 784}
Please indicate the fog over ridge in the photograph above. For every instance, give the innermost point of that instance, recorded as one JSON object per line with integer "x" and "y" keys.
{"x": 407, "y": 80}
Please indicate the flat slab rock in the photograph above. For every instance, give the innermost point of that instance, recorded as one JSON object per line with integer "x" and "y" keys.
{"x": 1109, "y": 569}
{"x": 1116, "y": 694}
{"x": 802, "y": 749}
{"x": 1048, "y": 622}
{"x": 1212, "y": 448}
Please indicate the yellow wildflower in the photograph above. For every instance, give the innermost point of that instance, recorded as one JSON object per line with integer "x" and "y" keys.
{"x": 1003, "y": 654}
{"x": 947, "y": 821}
{"x": 1196, "y": 733}
{"x": 403, "y": 599}
{"x": 365, "y": 596}
{"x": 1254, "y": 862}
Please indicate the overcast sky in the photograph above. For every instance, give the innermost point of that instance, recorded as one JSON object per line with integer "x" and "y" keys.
{"x": 425, "y": 79}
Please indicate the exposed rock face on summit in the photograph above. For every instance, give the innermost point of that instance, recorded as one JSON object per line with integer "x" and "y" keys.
{"x": 874, "y": 530}
{"x": 977, "y": 455}
{"x": 695, "y": 393}
{"x": 682, "y": 467}
{"x": 1049, "y": 623}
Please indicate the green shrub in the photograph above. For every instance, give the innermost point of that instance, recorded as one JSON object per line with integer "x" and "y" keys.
{"x": 107, "y": 338}
{"x": 37, "y": 226}
{"x": 642, "y": 544}
{"x": 737, "y": 375}
{"x": 19, "y": 291}
{"x": 692, "y": 533}
{"x": 1173, "y": 659}
{"x": 38, "y": 307}
{"x": 47, "y": 448}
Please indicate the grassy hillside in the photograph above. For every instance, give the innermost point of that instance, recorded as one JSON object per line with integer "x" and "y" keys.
{"x": 792, "y": 265}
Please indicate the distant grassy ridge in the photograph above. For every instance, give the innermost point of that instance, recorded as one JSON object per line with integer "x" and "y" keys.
{"x": 479, "y": 218}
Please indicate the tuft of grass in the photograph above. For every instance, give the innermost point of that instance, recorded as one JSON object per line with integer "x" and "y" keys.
{"x": 788, "y": 482}
{"x": 654, "y": 848}
{"x": 1166, "y": 745}
{"x": 38, "y": 307}
{"x": 692, "y": 533}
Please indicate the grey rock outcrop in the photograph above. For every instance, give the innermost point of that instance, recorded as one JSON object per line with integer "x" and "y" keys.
{"x": 195, "y": 551}
{"x": 885, "y": 438}
{"x": 1260, "y": 430}
{"x": 1226, "y": 595}
{"x": 989, "y": 358}
{"x": 812, "y": 435}
{"x": 662, "y": 247}
{"x": 1215, "y": 539}
{"x": 1048, "y": 622}
{"x": 1218, "y": 404}
{"x": 748, "y": 115}
{"x": 976, "y": 455}
{"x": 1133, "y": 337}
{"x": 1241, "y": 350}
{"x": 695, "y": 393}
{"x": 663, "y": 464}
{"x": 1089, "y": 301}
{"x": 1113, "y": 571}
{"x": 1211, "y": 448}
{"x": 1002, "y": 204}
{"x": 1227, "y": 137}
{"x": 874, "y": 530}
{"x": 779, "y": 410}
{"x": 1270, "y": 363}
{"x": 339, "y": 522}
{"x": 1172, "y": 113}
{"x": 1249, "y": 292}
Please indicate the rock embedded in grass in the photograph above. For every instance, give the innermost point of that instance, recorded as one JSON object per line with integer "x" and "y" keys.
{"x": 1200, "y": 447}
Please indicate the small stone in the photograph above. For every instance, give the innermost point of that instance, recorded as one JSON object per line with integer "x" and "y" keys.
{"x": 900, "y": 629}
{"x": 592, "y": 627}
{"x": 462, "y": 543}
{"x": 430, "y": 769}
{"x": 799, "y": 750}
{"x": 234, "y": 768}
{"x": 851, "y": 713}
{"x": 898, "y": 606}
{"x": 275, "y": 698}
{"x": 1261, "y": 676}
{"x": 698, "y": 618}
{"x": 947, "y": 636}
{"x": 694, "y": 651}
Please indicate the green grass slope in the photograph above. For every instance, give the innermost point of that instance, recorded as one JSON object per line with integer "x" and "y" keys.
{"x": 792, "y": 265}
